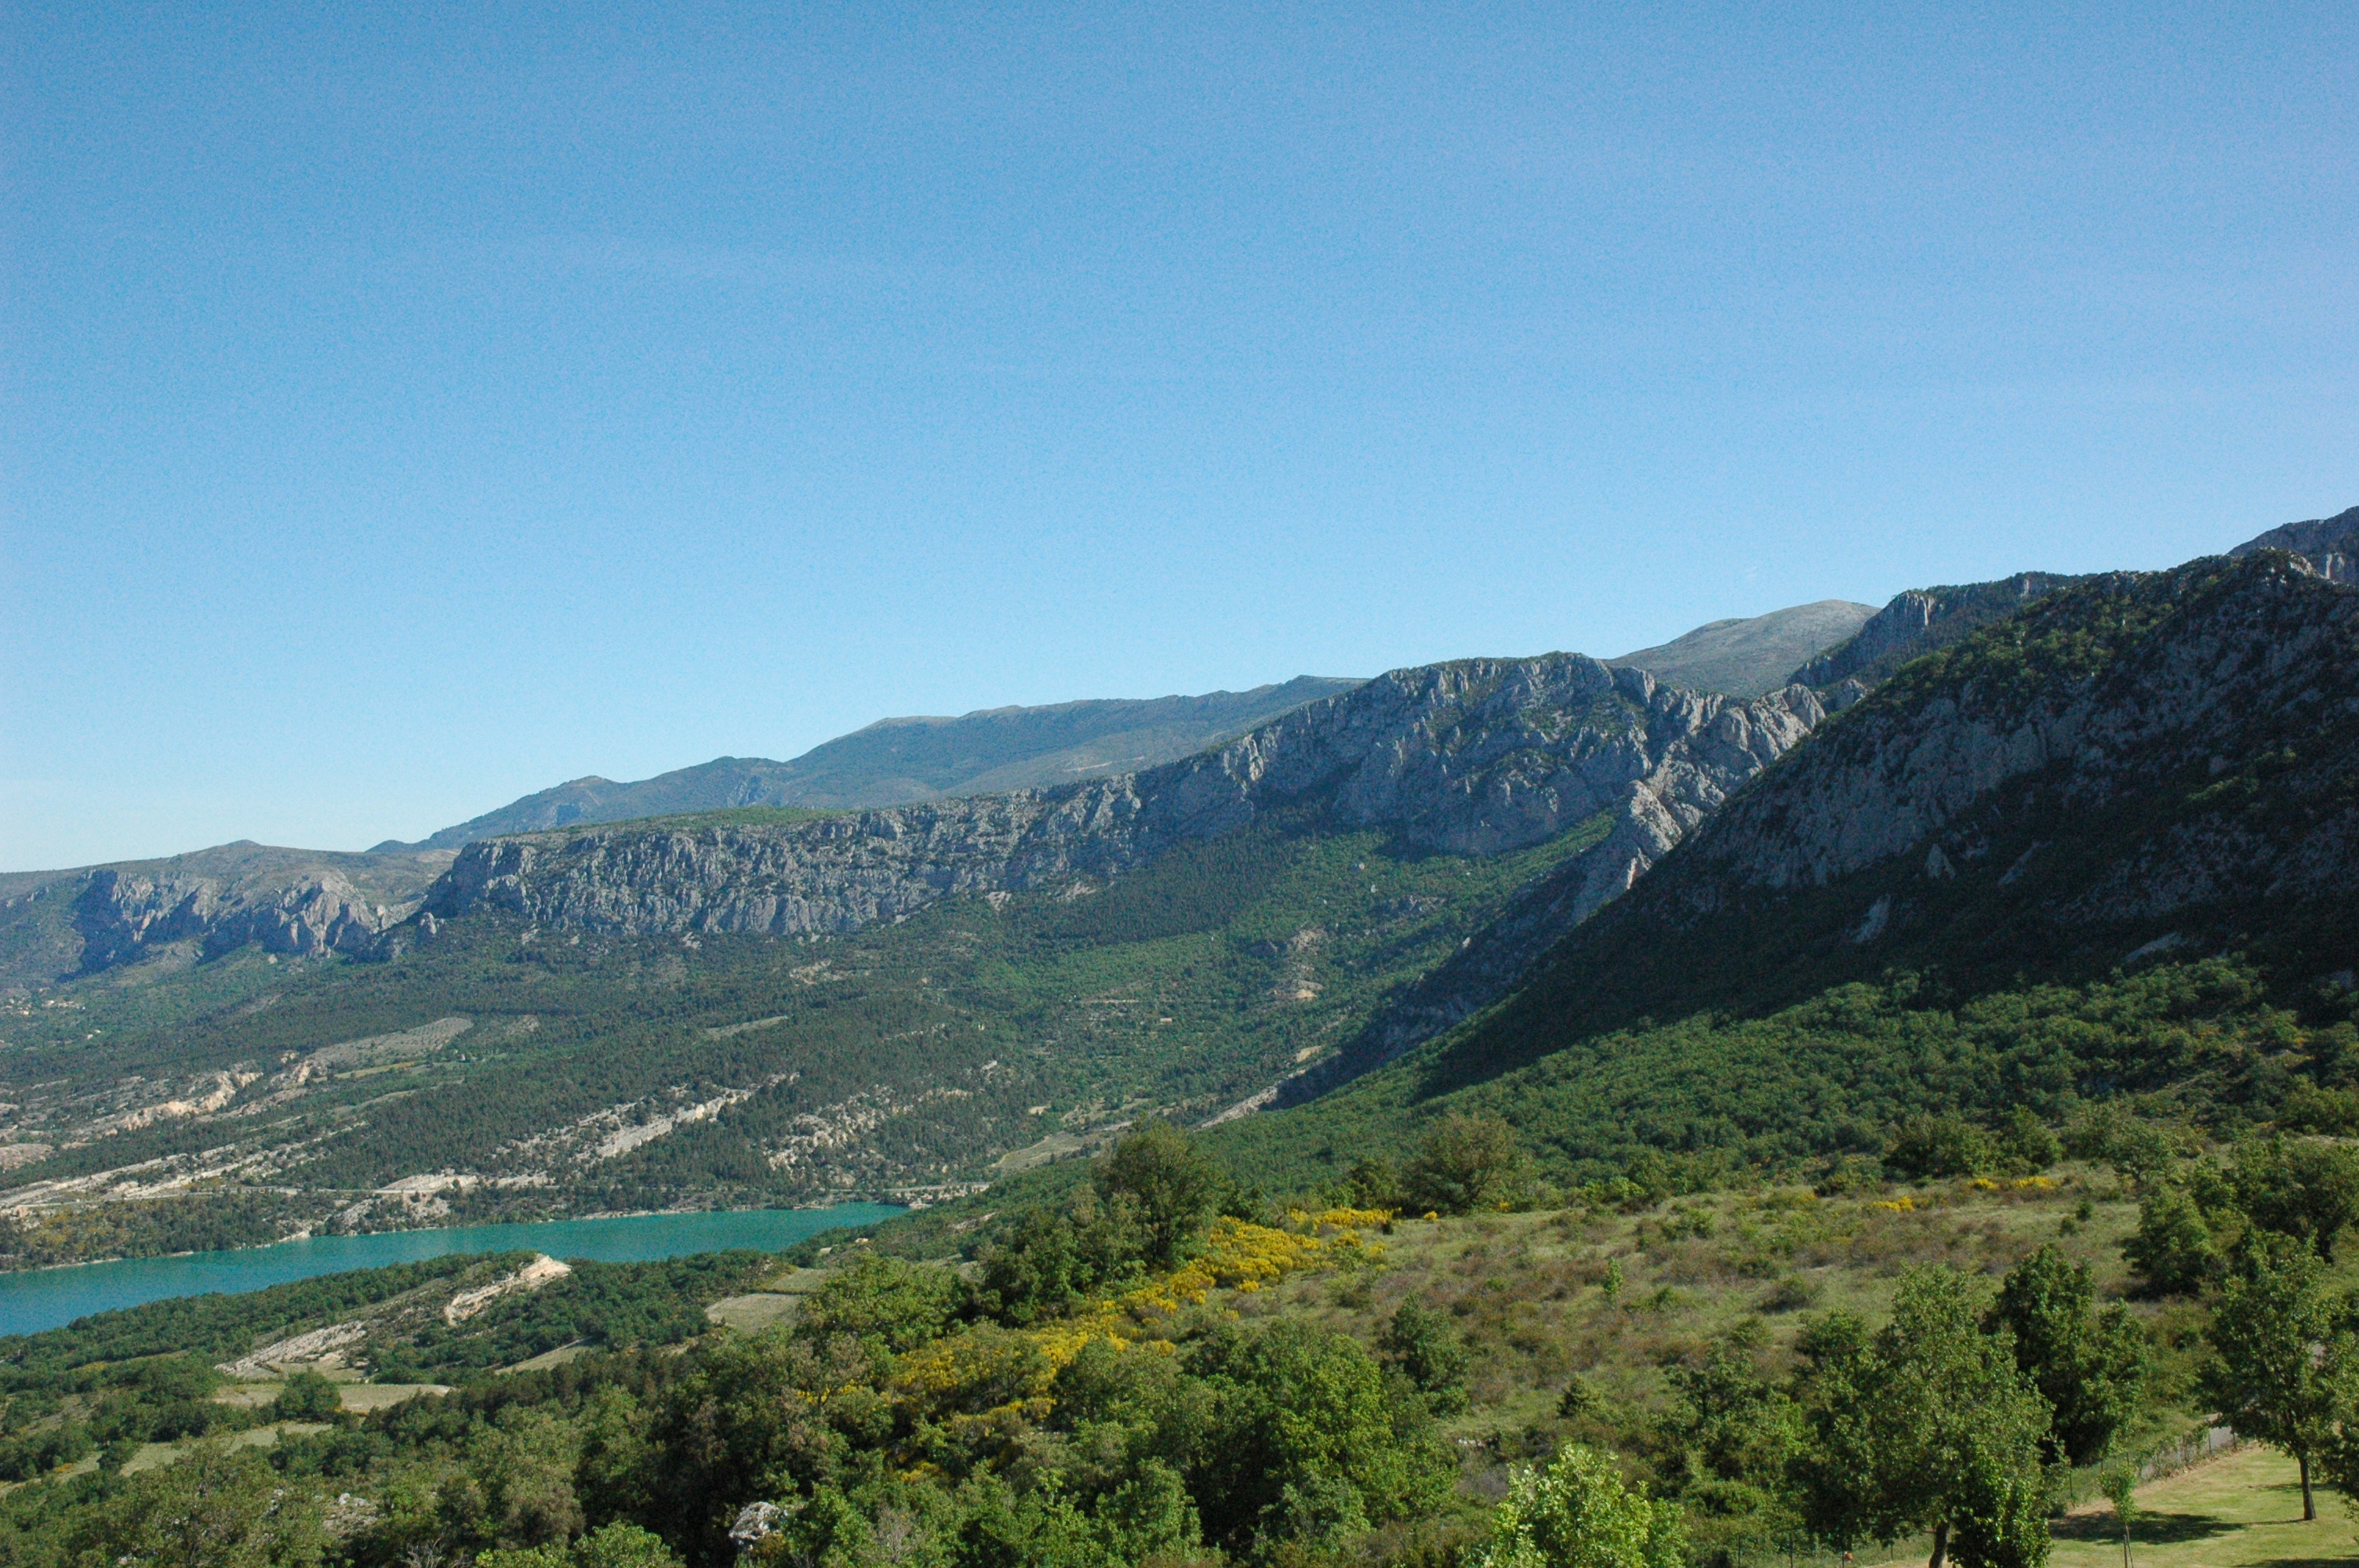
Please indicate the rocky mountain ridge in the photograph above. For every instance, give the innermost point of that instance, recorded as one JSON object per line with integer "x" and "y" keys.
{"x": 895, "y": 762}
{"x": 1751, "y": 656}
{"x": 2146, "y": 677}
{"x": 2329, "y": 544}
{"x": 301, "y": 903}
{"x": 2140, "y": 764}
{"x": 1471, "y": 757}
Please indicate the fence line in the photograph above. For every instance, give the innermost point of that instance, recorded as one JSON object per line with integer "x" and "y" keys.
{"x": 2193, "y": 1451}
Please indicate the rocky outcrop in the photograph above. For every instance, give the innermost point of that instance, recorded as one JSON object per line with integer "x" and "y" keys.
{"x": 2124, "y": 683}
{"x": 1918, "y": 621}
{"x": 2329, "y": 544}
{"x": 1478, "y": 756}
{"x": 294, "y": 902}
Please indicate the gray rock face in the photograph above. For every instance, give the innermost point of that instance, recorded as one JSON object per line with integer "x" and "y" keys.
{"x": 1473, "y": 757}
{"x": 1920, "y": 620}
{"x": 895, "y": 762}
{"x": 289, "y": 901}
{"x": 2243, "y": 654}
{"x": 2329, "y": 544}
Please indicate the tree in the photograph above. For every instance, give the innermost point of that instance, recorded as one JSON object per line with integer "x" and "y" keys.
{"x": 307, "y": 1396}
{"x": 2120, "y": 1485}
{"x": 2299, "y": 1187}
{"x": 1926, "y": 1424}
{"x": 1930, "y": 1146}
{"x": 883, "y": 1301}
{"x": 2089, "y": 1365}
{"x": 2026, "y": 1143}
{"x": 1293, "y": 1436}
{"x": 1465, "y": 1163}
{"x": 218, "y": 1507}
{"x": 2269, "y": 1373}
{"x": 1427, "y": 1350}
{"x": 1578, "y": 1514}
{"x": 1172, "y": 1185}
{"x": 2172, "y": 1247}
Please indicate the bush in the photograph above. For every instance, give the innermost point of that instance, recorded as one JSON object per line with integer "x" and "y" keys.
{"x": 2025, "y": 1143}
{"x": 2172, "y": 1247}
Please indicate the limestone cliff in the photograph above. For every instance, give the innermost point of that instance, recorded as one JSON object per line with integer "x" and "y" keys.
{"x": 1472, "y": 757}
{"x": 294, "y": 902}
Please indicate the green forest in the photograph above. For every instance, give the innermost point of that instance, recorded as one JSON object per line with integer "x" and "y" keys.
{"x": 1956, "y": 1350}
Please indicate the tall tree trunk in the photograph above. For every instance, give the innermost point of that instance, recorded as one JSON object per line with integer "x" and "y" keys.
{"x": 1941, "y": 1544}
{"x": 2309, "y": 1508}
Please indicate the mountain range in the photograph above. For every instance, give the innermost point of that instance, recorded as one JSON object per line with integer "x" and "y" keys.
{"x": 1625, "y": 913}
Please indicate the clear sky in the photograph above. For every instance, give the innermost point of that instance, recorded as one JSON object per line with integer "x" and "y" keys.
{"x": 407, "y": 406}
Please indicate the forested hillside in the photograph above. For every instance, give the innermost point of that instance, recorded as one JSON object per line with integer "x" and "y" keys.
{"x": 1951, "y": 1354}
{"x": 2100, "y": 849}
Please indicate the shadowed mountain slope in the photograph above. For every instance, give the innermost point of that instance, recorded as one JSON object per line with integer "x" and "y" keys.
{"x": 2095, "y": 848}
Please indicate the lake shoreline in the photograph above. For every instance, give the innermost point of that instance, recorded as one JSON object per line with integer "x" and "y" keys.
{"x": 8, "y": 1274}
{"x": 33, "y": 1300}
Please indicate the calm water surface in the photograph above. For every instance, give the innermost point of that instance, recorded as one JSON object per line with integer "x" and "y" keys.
{"x": 47, "y": 1298}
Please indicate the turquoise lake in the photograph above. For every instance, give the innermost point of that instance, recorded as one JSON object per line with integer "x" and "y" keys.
{"x": 49, "y": 1298}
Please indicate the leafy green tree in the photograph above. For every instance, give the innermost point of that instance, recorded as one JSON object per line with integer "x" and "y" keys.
{"x": 2172, "y": 1249}
{"x": 1578, "y": 1513}
{"x": 218, "y": 1507}
{"x": 2025, "y": 1143}
{"x": 2120, "y": 1485}
{"x": 1926, "y": 1424}
{"x": 1373, "y": 1183}
{"x": 2299, "y": 1187}
{"x": 1426, "y": 1348}
{"x": 1933, "y": 1146}
{"x": 1465, "y": 1163}
{"x": 1290, "y": 1437}
{"x": 307, "y": 1396}
{"x": 2271, "y": 1371}
{"x": 1728, "y": 1422}
{"x": 884, "y": 1301}
{"x": 1174, "y": 1187}
{"x": 1730, "y": 1437}
{"x": 2089, "y": 1365}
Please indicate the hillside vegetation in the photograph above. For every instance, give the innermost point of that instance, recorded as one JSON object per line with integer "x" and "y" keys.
{"x": 1160, "y": 1365}
{"x": 2101, "y": 850}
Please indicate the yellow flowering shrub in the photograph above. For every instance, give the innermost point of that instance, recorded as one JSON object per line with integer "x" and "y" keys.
{"x": 984, "y": 1375}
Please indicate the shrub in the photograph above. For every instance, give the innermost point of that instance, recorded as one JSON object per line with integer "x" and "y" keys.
{"x": 2172, "y": 1247}
{"x": 884, "y": 1301}
{"x": 2025, "y": 1143}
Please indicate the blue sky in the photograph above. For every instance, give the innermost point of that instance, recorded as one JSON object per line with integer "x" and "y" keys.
{"x": 409, "y": 406}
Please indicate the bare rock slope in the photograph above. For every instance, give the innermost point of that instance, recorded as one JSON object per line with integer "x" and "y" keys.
{"x": 1472, "y": 757}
